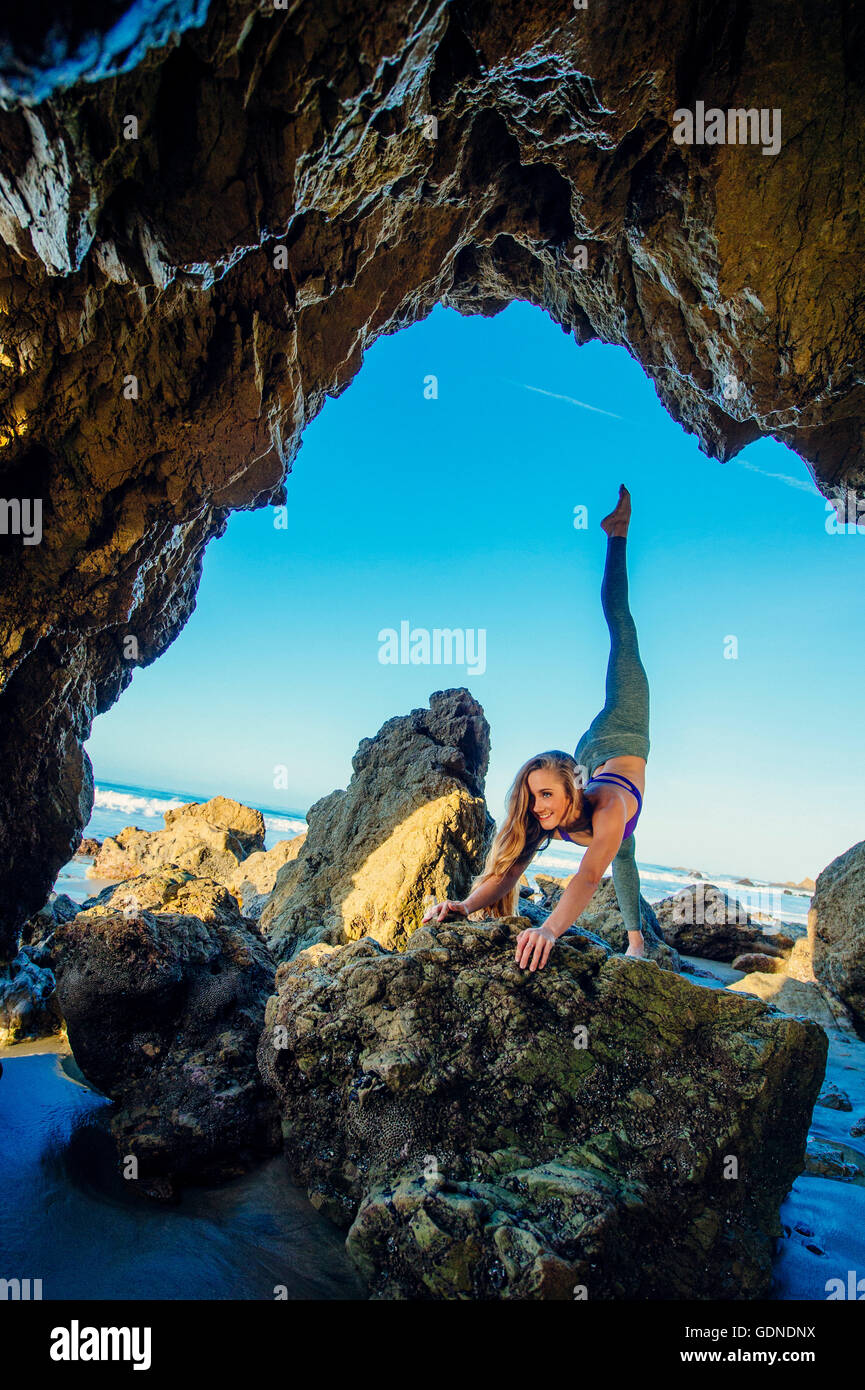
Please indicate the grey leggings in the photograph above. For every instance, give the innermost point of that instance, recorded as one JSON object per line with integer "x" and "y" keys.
{"x": 622, "y": 726}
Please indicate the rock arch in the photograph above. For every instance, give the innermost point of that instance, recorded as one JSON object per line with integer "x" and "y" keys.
{"x": 158, "y": 360}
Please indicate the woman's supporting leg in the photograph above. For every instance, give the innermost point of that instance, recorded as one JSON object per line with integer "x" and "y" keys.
{"x": 626, "y": 881}
{"x": 626, "y": 706}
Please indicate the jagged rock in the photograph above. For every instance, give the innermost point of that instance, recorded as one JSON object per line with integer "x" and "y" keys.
{"x": 857, "y": 1129}
{"x": 211, "y": 845}
{"x": 244, "y": 823}
{"x": 833, "y": 1098}
{"x": 695, "y": 873}
{"x": 745, "y": 882}
{"x": 836, "y": 929}
{"x": 253, "y": 882}
{"x": 88, "y": 849}
{"x": 493, "y": 1133}
{"x": 372, "y": 163}
{"x": 701, "y": 920}
{"x": 603, "y": 917}
{"x": 28, "y": 1001}
{"x": 168, "y": 889}
{"x": 412, "y": 823}
{"x": 163, "y": 1014}
{"x": 551, "y": 889}
{"x": 826, "y": 1161}
{"x": 38, "y": 932}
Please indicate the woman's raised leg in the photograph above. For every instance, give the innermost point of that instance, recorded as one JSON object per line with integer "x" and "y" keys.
{"x": 622, "y": 726}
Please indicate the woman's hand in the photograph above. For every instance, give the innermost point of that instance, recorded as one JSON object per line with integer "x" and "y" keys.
{"x": 534, "y": 944}
{"x": 437, "y": 912}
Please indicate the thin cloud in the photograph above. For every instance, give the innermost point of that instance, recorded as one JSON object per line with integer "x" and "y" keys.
{"x": 570, "y": 400}
{"x": 780, "y": 477}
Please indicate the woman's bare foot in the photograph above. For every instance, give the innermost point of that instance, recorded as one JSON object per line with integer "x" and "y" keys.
{"x": 636, "y": 945}
{"x": 616, "y": 524}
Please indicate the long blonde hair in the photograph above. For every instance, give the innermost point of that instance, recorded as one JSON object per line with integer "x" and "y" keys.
{"x": 521, "y": 835}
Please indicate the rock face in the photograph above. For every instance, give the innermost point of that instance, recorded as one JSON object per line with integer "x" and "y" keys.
{"x": 702, "y": 920}
{"x": 411, "y": 823}
{"x": 209, "y": 838}
{"x": 243, "y": 822}
{"x": 836, "y": 929}
{"x": 39, "y": 931}
{"x": 177, "y": 306}
{"x": 489, "y": 1133}
{"x": 603, "y": 917}
{"x": 253, "y": 881}
{"x": 28, "y": 1000}
{"x": 163, "y": 1012}
{"x": 28, "y": 996}
{"x": 169, "y": 889}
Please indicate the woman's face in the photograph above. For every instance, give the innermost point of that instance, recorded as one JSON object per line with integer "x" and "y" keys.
{"x": 548, "y": 800}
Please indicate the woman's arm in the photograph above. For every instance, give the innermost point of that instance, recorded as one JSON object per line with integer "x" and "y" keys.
{"x": 483, "y": 896}
{"x": 608, "y": 824}
{"x": 488, "y": 893}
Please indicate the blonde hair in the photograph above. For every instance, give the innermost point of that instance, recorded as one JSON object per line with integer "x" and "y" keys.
{"x": 521, "y": 835}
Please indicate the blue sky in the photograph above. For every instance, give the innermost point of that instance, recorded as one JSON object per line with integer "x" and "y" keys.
{"x": 458, "y": 512}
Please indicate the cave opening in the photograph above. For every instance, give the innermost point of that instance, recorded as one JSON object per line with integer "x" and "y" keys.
{"x": 457, "y": 487}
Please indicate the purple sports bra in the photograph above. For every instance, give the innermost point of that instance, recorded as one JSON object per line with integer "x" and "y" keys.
{"x": 618, "y": 778}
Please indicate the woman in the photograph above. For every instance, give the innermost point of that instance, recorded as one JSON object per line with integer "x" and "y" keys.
{"x": 593, "y": 798}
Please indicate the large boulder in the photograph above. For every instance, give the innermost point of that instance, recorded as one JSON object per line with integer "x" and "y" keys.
{"x": 210, "y": 839}
{"x": 836, "y": 929}
{"x": 411, "y": 825}
{"x": 487, "y": 1132}
{"x": 702, "y": 920}
{"x": 244, "y": 822}
{"x": 163, "y": 1012}
{"x": 602, "y": 915}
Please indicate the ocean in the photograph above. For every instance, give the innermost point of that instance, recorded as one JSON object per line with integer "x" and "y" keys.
{"x": 116, "y": 806}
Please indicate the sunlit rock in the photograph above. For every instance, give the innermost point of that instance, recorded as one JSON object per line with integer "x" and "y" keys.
{"x": 411, "y": 825}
